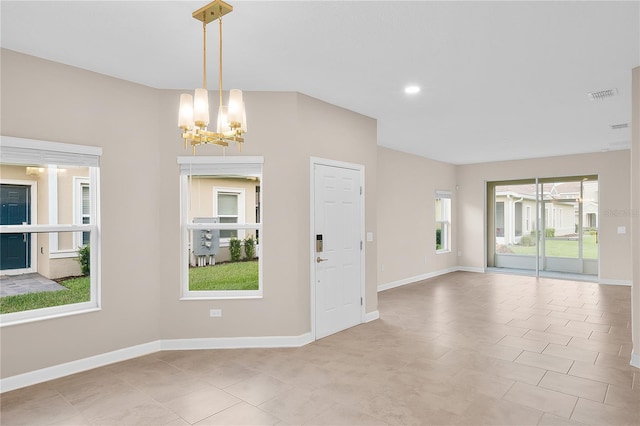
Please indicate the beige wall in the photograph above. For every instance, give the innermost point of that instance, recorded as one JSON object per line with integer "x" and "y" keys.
{"x": 406, "y": 216}
{"x": 49, "y": 101}
{"x": 635, "y": 197}
{"x": 613, "y": 169}
{"x": 140, "y": 205}
{"x": 286, "y": 129}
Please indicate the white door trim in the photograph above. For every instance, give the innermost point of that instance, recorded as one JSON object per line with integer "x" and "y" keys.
{"x": 313, "y": 161}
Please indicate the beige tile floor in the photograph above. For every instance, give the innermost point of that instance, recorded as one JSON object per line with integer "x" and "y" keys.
{"x": 462, "y": 348}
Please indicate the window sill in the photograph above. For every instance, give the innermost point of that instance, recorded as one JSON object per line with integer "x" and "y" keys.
{"x": 63, "y": 254}
{"x": 443, "y": 251}
{"x": 8, "y": 320}
{"x": 221, "y": 295}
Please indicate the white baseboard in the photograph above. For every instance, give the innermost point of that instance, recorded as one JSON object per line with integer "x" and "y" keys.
{"x": 57, "y": 371}
{"x": 475, "y": 269}
{"x": 371, "y": 316}
{"x": 615, "y": 282}
{"x": 61, "y": 370}
{"x": 635, "y": 360}
{"x": 236, "y": 342}
{"x": 426, "y": 276}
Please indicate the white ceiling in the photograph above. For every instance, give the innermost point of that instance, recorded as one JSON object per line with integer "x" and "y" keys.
{"x": 500, "y": 80}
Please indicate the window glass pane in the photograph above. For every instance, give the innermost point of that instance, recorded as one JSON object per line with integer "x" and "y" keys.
{"x": 221, "y": 262}
{"x": 53, "y": 189}
{"x": 499, "y": 219}
{"x": 86, "y": 200}
{"x": 443, "y": 218}
{"x": 67, "y": 280}
{"x": 227, "y": 204}
{"x": 518, "y": 219}
{"x": 47, "y": 195}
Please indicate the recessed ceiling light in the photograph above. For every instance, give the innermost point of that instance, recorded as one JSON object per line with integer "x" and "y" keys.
{"x": 411, "y": 90}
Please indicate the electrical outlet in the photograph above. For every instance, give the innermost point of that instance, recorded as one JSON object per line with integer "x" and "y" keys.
{"x": 382, "y": 267}
{"x": 215, "y": 313}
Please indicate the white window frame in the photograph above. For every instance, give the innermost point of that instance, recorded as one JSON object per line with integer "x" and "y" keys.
{"x": 29, "y": 152}
{"x": 212, "y": 166}
{"x": 445, "y": 235}
{"x": 241, "y": 200}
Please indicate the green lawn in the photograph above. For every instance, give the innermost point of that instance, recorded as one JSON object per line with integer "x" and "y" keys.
{"x": 77, "y": 291}
{"x": 225, "y": 276}
{"x": 562, "y": 248}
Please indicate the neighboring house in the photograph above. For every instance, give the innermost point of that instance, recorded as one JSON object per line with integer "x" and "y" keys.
{"x": 43, "y": 195}
{"x": 227, "y": 200}
{"x": 515, "y": 209}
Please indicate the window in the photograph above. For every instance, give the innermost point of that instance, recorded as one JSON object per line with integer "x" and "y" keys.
{"x": 50, "y": 199}
{"x": 560, "y": 222}
{"x": 443, "y": 221}
{"x": 221, "y": 222}
{"x": 517, "y": 208}
{"x": 528, "y": 219}
{"x": 499, "y": 219}
{"x": 82, "y": 200}
{"x": 229, "y": 208}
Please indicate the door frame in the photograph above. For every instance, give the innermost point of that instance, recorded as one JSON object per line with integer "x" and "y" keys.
{"x": 33, "y": 195}
{"x": 313, "y": 161}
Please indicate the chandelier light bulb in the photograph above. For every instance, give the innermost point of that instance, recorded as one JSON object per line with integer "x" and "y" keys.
{"x": 201, "y": 107}
{"x": 223, "y": 122}
{"x": 235, "y": 106}
{"x": 185, "y": 114}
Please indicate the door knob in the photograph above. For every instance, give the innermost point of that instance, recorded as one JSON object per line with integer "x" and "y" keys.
{"x": 319, "y": 259}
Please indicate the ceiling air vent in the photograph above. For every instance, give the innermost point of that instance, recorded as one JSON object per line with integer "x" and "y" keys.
{"x": 602, "y": 94}
{"x": 619, "y": 126}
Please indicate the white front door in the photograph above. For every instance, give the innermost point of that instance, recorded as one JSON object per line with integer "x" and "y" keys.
{"x": 338, "y": 294}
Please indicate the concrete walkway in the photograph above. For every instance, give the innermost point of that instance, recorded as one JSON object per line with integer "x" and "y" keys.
{"x": 11, "y": 285}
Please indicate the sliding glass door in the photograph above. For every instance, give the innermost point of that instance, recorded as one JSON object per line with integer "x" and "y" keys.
{"x": 544, "y": 225}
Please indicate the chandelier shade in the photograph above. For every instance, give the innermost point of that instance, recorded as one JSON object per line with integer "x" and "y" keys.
{"x": 193, "y": 114}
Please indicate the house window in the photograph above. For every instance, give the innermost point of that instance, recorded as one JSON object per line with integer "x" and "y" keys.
{"x": 229, "y": 208}
{"x": 82, "y": 209}
{"x": 559, "y": 222}
{"x": 443, "y": 221}
{"x": 517, "y": 209}
{"x": 50, "y": 201}
{"x": 499, "y": 219}
{"x": 547, "y": 218}
{"x": 528, "y": 218}
{"x": 220, "y": 221}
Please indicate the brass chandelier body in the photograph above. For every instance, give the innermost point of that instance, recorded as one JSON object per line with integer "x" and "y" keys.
{"x": 193, "y": 117}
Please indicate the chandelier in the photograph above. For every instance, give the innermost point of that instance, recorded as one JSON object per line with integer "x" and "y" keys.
{"x": 193, "y": 116}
